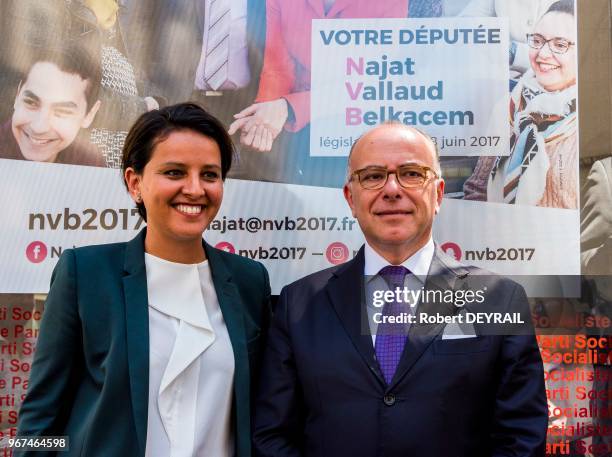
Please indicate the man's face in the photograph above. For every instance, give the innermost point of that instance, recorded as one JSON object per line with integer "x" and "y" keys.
{"x": 396, "y": 221}
{"x": 50, "y": 109}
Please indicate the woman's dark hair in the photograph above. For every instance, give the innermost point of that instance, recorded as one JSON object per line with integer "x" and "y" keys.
{"x": 562, "y": 6}
{"x": 155, "y": 126}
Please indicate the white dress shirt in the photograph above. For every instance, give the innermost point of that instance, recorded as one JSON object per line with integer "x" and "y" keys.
{"x": 191, "y": 363}
{"x": 418, "y": 264}
{"x": 238, "y": 71}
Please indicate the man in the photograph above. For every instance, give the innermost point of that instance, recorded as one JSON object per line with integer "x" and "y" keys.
{"x": 336, "y": 382}
{"x": 56, "y": 99}
{"x": 596, "y": 247}
{"x": 596, "y": 225}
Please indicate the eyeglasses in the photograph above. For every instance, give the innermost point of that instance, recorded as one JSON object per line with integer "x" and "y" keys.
{"x": 557, "y": 45}
{"x": 408, "y": 176}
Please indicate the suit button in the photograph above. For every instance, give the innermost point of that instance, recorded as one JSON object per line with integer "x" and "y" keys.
{"x": 389, "y": 399}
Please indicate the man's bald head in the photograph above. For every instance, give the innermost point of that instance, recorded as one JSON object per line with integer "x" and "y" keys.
{"x": 409, "y": 132}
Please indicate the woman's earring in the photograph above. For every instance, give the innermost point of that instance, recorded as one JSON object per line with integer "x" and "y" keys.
{"x": 138, "y": 198}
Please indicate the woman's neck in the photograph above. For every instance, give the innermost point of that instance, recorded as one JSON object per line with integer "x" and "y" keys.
{"x": 188, "y": 251}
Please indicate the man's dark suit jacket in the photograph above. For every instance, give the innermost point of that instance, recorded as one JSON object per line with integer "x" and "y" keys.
{"x": 322, "y": 394}
{"x": 90, "y": 375}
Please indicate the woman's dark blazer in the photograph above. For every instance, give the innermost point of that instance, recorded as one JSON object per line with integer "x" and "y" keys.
{"x": 90, "y": 375}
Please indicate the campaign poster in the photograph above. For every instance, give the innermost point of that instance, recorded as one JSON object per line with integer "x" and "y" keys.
{"x": 74, "y": 76}
{"x": 367, "y": 73}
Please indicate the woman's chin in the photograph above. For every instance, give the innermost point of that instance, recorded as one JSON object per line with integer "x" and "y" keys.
{"x": 551, "y": 83}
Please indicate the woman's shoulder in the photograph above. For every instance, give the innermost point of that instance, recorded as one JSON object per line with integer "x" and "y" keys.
{"x": 246, "y": 273}
{"x": 97, "y": 255}
{"x": 90, "y": 270}
{"x": 100, "y": 249}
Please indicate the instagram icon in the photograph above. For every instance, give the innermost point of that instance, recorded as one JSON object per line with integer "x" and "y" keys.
{"x": 337, "y": 253}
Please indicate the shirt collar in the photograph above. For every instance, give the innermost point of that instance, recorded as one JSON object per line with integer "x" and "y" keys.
{"x": 418, "y": 263}
{"x": 175, "y": 289}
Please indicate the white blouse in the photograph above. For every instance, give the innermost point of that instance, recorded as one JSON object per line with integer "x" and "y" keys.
{"x": 191, "y": 363}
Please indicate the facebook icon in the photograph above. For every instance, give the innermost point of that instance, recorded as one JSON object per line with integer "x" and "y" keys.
{"x": 36, "y": 251}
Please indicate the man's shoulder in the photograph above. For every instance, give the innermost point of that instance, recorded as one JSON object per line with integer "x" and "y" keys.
{"x": 8, "y": 146}
{"x": 471, "y": 272}
{"x": 606, "y": 161}
{"x": 600, "y": 174}
{"x": 606, "y": 164}
{"x": 82, "y": 152}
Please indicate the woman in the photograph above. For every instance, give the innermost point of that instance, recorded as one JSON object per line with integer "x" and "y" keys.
{"x": 521, "y": 14}
{"x": 149, "y": 347}
{"x": 542, "y": 169}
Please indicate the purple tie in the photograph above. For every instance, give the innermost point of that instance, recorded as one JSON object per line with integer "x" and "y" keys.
{"x": 391, "y": 338}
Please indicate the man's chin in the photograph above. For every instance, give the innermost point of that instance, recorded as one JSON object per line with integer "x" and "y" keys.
{"x": 401, "y": 239}
{"x": 398, "y": 240}
{"x": 36, "y": 155}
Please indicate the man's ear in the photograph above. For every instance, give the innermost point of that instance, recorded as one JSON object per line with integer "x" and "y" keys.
{"x": 439, "y": 193}
{"x": 348, "y": 195}
{"x": 89, "y": 117}
{"x": 132, "y": 179}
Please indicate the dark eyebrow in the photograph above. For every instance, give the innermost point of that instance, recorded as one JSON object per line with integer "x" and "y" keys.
{"x": 373, "y": 166}
{"x": 405, "y": 164}
{"x": 69, "y": 105}
{"x": 30, "y": 94}
{"x": 181, "y": 165}
{"x": 553, "y": 38}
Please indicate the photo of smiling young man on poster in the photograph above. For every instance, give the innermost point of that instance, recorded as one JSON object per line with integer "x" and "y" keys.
{"x": 57, "y": 97}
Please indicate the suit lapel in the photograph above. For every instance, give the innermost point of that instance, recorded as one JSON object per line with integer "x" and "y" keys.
{"x": 346, "y": 293}
{"x": 443, "y": 275}
{"x": 137, "y": 330}
{"x": 231, "y": 308}
{"x": 229, "y": 301}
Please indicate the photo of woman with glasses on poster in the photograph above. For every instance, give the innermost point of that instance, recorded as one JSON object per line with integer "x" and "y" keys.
{"x": 542, "y": 168}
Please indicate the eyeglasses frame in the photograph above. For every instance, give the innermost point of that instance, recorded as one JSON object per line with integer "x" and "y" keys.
{"x": 547, "y": 42}
{"x": 426, "y": 169}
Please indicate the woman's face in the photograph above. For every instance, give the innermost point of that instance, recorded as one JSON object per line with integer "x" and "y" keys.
{"x": 181, "y": 188}
{"x": 555, "y": 71}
